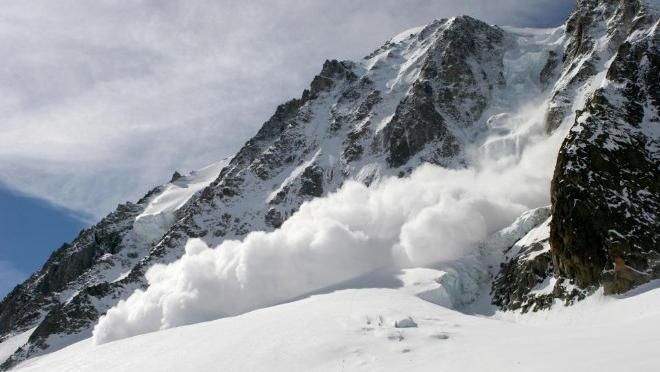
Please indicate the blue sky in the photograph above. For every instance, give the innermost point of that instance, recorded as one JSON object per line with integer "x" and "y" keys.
{"x": 30, "y": 229}
{"x": 101, "y": 101}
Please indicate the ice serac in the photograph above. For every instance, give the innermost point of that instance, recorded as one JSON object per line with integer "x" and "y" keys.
{"x": 606, "y": 209}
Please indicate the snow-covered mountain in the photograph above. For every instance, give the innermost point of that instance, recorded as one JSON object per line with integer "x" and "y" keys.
{"x": 336, "y": 192}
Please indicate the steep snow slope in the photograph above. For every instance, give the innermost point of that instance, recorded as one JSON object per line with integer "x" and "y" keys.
{"x": 357, "y": 330}
{"x": 11, "y": 343}
{"x": 160, "y": 213}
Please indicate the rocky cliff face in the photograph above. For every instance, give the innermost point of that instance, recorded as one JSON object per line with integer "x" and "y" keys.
{"x": 606, "y": 210}
{"x": 605, "y": 206}
{"x": 71, "y": 266}
{"x": 427, "y": 95}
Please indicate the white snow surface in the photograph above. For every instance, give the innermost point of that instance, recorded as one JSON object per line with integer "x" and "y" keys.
{"x": 177, "y": 193}
{"x": 354, "y": 330}
{"x": 11, "y": 343}
{"x": 159, "y": 214}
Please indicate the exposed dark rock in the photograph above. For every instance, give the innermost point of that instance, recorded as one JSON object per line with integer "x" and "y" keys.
{"x": 529, "y": 268}
{"x": 518, "y": 277}
{"x": 176, "y": 176}
{"x": 367, "y": 105}
{"x": 274, "y": 218}
{"x": 592, "y": 20}
{"x": 332, "y": 71}
{"x": 25, "y": 304}
{"x": 549, "y": 70}
{"x": 448, "y": 81}
{"x": 353, "y": 146}
{"x": 607, "y": 179}
{"x": 415, "y": 123}
{"x": 311, "y": 181}
{"x": 458, "y": 82}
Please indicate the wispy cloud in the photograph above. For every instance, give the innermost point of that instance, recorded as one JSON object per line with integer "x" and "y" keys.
{"x": 101, "y": 100}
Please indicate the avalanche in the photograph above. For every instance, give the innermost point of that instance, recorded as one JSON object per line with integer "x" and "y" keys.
{"x": 436, "y": 215}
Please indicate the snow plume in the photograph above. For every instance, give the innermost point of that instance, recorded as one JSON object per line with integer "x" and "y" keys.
{"x": 434, "y": 215}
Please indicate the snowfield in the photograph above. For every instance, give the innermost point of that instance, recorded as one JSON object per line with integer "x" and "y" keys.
{"x": 354, "y": 329}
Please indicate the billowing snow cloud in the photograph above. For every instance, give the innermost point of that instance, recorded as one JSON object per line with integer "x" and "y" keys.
{"x": 435, "y": 215}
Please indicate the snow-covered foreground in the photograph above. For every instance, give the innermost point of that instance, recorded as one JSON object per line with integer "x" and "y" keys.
{"x": 355, "y": 329}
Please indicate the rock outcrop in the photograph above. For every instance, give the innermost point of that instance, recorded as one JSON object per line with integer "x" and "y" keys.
{"x": 605, "y": 205}
{"x": 606, "y": 209}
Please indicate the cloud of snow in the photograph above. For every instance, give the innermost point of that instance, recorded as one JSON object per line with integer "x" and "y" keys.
{"x": 434, "y": 215}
